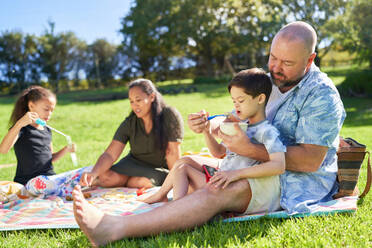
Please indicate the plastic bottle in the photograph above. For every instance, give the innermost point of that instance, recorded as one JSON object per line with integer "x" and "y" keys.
{"x": 68, "y": 138}
{"x": 72, "y": 154}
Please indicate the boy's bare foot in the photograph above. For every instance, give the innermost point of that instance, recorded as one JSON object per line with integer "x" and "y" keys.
{"x": 97, "y": 226}
{"x": 157, "y": 197}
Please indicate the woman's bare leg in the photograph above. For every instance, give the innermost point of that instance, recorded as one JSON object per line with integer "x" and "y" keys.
{"x": 111, "y": 179}
{"x": 188, "y": 212}
{"x": 139, "y": 182}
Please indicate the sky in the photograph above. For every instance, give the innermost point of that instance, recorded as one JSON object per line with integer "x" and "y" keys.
{"x": 88, "y": 19}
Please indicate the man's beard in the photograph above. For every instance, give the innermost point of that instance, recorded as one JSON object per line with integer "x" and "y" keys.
{"x": 283, "y": 83}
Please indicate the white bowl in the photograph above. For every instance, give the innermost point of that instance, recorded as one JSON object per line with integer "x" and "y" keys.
{"x": 229, "y": 129}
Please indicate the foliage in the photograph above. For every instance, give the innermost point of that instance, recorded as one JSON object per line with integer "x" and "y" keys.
{"x": 357, "y": 83}
{"x": 209, "y": 33}
{"x": 318, "y": 13}
{"x": 102, "y": 63}
{"x": 213, "y": 80}
{"x": 148, "y": 41}
{"x": 218, "y": 36}
{"x": 18, "y": 55}
{"x": 56, "y": 54}
{"x": 355, "y": 31}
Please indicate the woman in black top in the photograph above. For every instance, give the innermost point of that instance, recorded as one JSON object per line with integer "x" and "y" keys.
{"x": 154, "y": 131}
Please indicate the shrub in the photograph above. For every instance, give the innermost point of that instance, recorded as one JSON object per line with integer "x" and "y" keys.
{"x": 357, "y": 83}
{"x": 213, "y": 80}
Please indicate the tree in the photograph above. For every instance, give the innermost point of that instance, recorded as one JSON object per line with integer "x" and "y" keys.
{"x": 317, "y": 13}
{"x": 18, "y": 59}
{"x": 149, "y": 40}
{"x": 353, "y": 32}
{"x": 56, "y": 55}
{"x": 79, "y": 61}
{"x": 103, "y": 62}
{"x": 211, "y": 33}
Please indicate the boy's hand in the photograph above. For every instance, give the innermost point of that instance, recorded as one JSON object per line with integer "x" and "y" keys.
{"x": 235, "y": 142}
{"x": 197, "y": 122}
{"x": 207, "y": 127}
{"x": 231, "y": 118}
{"x": 224, "y": 178}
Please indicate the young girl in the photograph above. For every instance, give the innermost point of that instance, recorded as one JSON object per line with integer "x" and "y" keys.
{"x": 33, "y": 142}
{"x": 249, "y": 91}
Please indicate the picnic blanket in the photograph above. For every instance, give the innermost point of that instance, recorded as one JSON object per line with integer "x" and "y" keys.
{"x": 56, "y": 212}
{"x": 341, "y": 205}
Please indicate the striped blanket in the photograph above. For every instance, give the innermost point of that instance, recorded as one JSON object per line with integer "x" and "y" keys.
{"x": 56, "y": 212}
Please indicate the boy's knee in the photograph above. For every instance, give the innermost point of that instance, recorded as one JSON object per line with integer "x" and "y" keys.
{"x": 183, "y": 160}
{"x": 181, "y": 169}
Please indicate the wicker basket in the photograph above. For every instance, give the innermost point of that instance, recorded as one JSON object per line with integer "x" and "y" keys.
{"x": 350, "y": 158}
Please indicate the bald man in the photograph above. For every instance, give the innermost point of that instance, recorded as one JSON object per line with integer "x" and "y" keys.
{"x": 307, "y": 110}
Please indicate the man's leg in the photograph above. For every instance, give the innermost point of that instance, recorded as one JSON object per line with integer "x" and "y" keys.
{"x": 188, "y": 212}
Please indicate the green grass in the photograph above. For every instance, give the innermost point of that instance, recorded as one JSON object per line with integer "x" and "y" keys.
{"x": 92, "y": 125}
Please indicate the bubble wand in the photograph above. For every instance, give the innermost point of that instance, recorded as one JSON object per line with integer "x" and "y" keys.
{"x": 68, "y": 138}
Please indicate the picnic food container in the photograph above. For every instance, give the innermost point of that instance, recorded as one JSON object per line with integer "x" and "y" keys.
{"x": 229, "y": 129}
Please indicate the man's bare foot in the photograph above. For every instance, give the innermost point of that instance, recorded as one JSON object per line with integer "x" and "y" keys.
{"x": 157, "y": 197}
{"x": 98, "y": 227}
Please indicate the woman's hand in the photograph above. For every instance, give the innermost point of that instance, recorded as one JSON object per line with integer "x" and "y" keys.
{"x": 224, "y": 178}
{"x": 28, "y": 118}
{"x": 87, "y": 179}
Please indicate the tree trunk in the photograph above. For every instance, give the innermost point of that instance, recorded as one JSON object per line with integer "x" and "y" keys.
{"x": 229, "y": 66}
{"x": 207, "y": 64}
{"x": 98, "y": 76}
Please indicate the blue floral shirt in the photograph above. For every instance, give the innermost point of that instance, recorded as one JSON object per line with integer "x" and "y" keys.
{"x": 312, "y": 113}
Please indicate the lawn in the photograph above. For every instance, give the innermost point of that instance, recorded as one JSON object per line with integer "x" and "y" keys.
{"x": 91, "y": 126}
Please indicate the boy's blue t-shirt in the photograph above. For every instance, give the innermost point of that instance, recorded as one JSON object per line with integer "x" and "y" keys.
{"x": 259, "y": 133}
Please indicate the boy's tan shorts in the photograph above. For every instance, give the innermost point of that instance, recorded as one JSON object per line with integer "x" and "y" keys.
{"x": 265, "y": 195}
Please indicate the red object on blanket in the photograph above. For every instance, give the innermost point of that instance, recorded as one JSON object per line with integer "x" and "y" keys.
{"x": 140, "y": 191}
